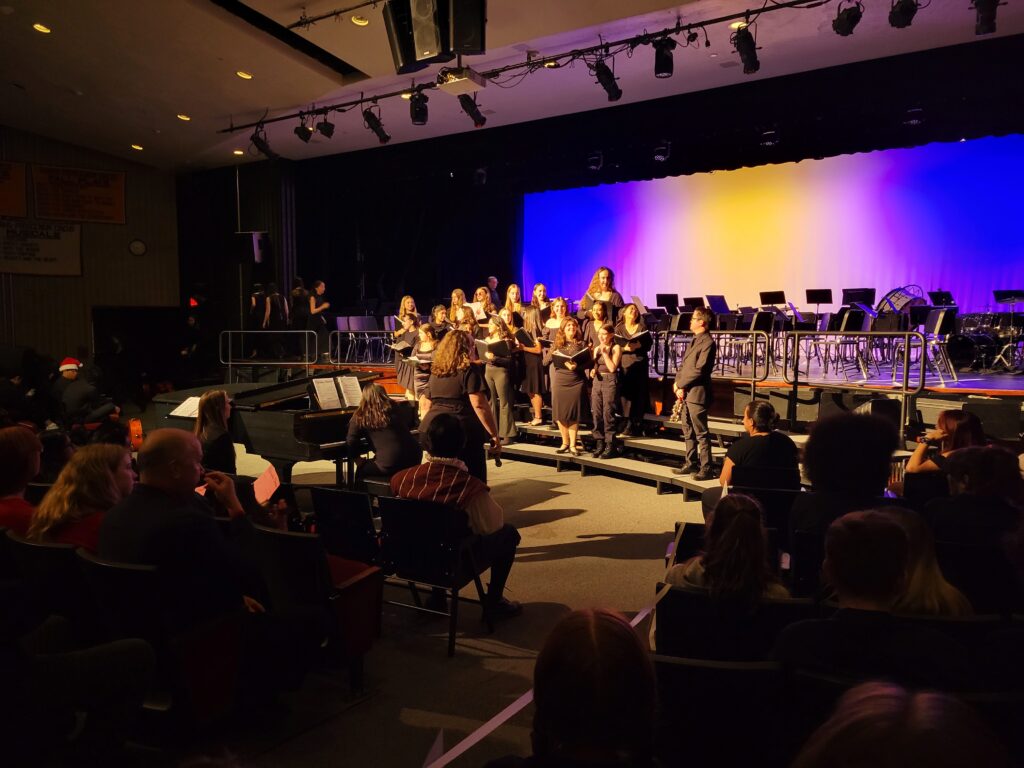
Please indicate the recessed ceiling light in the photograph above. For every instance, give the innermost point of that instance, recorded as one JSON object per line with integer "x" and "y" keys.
{"x": 137, "y": 147}
{"x": 184, "y": 118}
{"x": 713, "y": 55}
{"x": 244, "y": 75}
{"x": 237, "y": 152}
{"x": 41, "y": 28}
{"x": 360, "y": 21}
{"x": 738, "y": 25}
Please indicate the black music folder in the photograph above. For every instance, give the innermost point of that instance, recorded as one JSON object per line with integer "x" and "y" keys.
{"x": 498, "y": 348}
{"x": 524, "y": 338}
{"x": 584, "y": 358}
{"x": 624, "y": 340}
{"x": 404, "y": 348}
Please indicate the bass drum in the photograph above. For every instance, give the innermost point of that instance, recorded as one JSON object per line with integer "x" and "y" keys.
{"x": 975, "y": 350}
{"x": 902, "y": 299}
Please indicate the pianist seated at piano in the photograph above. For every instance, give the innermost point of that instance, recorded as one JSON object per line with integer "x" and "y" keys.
{"x": 387, "y": 426}
{"x": 212, "y": 430}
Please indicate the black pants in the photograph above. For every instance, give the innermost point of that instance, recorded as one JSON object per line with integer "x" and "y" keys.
{"x": 696, "y": 435}
{"x": 604, "y": 394}
{"x": 500, "y": 549}
{"x": 633, "y": 391}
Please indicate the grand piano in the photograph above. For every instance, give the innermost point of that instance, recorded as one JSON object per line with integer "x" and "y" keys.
{"x": 280, "y": 422}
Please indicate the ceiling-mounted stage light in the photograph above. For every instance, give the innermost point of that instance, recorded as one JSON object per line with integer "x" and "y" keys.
{"x": 663, "y": 64}
{"x": 595, "y": 161}
{"x": 325, "y": 128}
{"x": 746, "y": 47}
{"x": 469, "y": 106}
{"x": 985, "y": 19}
{"x": 662, "y": 152}
{"x": 259, "y": 140}
{"x": 847, "y": 18}
{"x": 901, "y": 13}
{"x": 372, "y": 121}
{"x": 303, "y": 131}
{"x": 418, "y": 108}
{"x": 607, "y": 80}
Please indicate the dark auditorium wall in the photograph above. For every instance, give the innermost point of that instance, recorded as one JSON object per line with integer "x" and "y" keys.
{"x": 53, "y": 314}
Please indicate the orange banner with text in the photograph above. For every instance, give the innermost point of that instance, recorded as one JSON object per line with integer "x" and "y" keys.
{"x": 74, "y": 194}
{"x": 13, "y": 197}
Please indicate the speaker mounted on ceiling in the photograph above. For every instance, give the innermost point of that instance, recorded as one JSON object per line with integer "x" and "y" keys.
{"x": 425, "y": 32}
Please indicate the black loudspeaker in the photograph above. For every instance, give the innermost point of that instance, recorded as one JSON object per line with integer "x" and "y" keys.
{"x": 417, "y": 33}
{"x": 467, "y": 26}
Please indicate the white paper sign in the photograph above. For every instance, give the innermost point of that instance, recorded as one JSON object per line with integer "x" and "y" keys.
{"x": 40, "y": 247}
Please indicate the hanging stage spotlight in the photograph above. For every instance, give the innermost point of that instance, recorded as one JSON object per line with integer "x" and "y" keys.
{"x": 607, "y": 80}
{"x": 372, "y": 121}
{"x": 662, "y": 152}
{"x": 901, "y": 13}
{"x": 663, "y": 64}
{"x": 259, "y": 140}
{"x": 418, "y": 108}
{"x": 325, "y": 128}
{"x": 303, "y": 131}
{"x": 985, "y": 21}
{"x": 847, "y": 18}
{"x": 469, "y": 106}
{"x": 595, "y": 161}
{"x": 746, "y": 47}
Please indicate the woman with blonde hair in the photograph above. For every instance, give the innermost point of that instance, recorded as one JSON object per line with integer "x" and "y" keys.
{"x": 387, "y": 426}
{"x": 514, "y": 304}
{"x": 95, "y": 479}
{"x": 602, "y": 288}
{"x": 926, "y": 592}
{"x": 457, "y": 386}
{"x": 406, "y": 331}
{"x": 458, "y": 301}
{"x": 482, "y": 296}
{"x": 212, "y": 430}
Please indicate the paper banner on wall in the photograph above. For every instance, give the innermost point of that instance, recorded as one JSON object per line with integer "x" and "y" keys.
{"x": 40, "y": 247}
{"x": 73, "y": 194}
{"x": 13, "y": 197}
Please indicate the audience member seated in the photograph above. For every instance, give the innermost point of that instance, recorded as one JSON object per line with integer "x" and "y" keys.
{"x": 953, "y": 430}
{"x": 18, "y": 402}
{"x": 866, "y": 565}
{"x": 96, "y": 478}
{"x": 111, "y": 433}
{"x": 444, "y": 479}
{"x": 81, "y": 401}
{"x": 847, "y": 459}
{"x": 388, "y": 427}
{"x": 926, "y": 592}
{"x": 57, "y": 451}
{"x": 885, "y": 726}
{"x": 763, "y": 449}
{"x": 19, "y": 463}
{"x": 734, "y": 565}
{"x": 594, "y": 696}
{"x": 986, "y": 492}
{"x": 212, "y": 430}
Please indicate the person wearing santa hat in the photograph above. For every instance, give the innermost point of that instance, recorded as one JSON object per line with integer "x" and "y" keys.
{"x": 81, "y": 401}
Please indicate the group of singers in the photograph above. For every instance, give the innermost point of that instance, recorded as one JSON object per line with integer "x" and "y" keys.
{"x": 303, "y": 310}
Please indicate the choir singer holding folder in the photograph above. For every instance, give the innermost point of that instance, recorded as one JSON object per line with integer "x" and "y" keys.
{"x": 570, "y": 359}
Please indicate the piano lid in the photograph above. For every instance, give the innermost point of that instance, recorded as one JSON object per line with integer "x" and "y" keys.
{"x": 290, "y": 394}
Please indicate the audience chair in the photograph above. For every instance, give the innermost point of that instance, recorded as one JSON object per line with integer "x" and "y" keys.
{"x": 984, "y": 574}
{"x": 344, "y": 522}
{"x": 972, "y": 632}
{"x": 719, "y": 713}
{"x": 424, "y": 543}
{"x": 807, "y": 553}
{"x": 300, "y": 574}
{"x": 198, "y": 669}
{"x": 53, "y": 571}
{"x": 693, "y": 625}
{"x": 34, "y": 492}
{"x": 8, "y": 568}
{"x": 921, "y": 487}
{"x": 777, "y": 500}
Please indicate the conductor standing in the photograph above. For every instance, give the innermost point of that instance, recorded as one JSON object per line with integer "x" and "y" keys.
{"x": 693, "y": 387}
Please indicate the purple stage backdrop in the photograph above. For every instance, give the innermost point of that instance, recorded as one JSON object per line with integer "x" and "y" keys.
{"x": 941, "y": 216}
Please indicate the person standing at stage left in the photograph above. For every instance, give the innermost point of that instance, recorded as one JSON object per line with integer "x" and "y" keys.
{"x": 318, "y": 304}
{"x": 693, "y": 387}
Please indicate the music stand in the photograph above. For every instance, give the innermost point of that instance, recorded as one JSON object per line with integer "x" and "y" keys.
{"x": 941, "y": 298}
{"x": 718, "y": 305}
{"x": 817, "y": 297}
{"x": 853, "y": 296}
{"x": 919, "y": 314}
{"x": 669, "y": 301}
{"x": 773, "y": 297}
{"x": 693, "y": 302}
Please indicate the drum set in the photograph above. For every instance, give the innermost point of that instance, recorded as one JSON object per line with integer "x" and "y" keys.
{"x": 987, "y": 341}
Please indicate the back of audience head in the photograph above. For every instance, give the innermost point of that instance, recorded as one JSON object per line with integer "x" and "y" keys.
{"x": 594, "y": 690}
{"x": 735, "y": 565}
{"x": 926, "y": 591}
{"x": 445, "y": 436}
{"x": 884, "y": 726}
{"x": 111, "y": 433}
{"x": 866, "y": 559}
{"x": 761, "y": 414}
{"x": 57, "y": 450}
{"x": 95, "y": 479}
{"x": 850, "y": 453}
{"x": 985, "y": 471}
{"x": 20, "y": 452}
{"x": 170, "y": 459}
{"x": 374, "y": 411}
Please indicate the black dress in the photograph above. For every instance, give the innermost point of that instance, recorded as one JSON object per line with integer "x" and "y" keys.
{"x": 634, "y": 377}
{"x": 406, "y": 372}
{"x": 534, "y": 373}
{"x": 219, "y": 453}
{"x": 612, "y": 306}
{"x": 567, "y": 389}
{"x": 318, "y": 323}
{"x": 422, "y": 369}
{"x": 394, "y": 447}
{"x": 450, "y": 394}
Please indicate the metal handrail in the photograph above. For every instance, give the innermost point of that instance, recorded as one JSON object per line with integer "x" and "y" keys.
{"x": 758, "y": 371}
{"x": 232, "y": 361}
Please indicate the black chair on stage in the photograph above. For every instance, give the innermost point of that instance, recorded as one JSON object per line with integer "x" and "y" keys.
{"x": 423, "y": 543}
{"x": 984, "y": 574}
{"x": 52, "y": 570}
{"x": 344, "y": 522}
{"x": 691, "y": 624}
{"x": 720, "y": 713}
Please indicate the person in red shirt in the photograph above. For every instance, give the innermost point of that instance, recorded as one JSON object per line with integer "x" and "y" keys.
{"x": 95, "y": 479}
{"x": 19, "y": 463}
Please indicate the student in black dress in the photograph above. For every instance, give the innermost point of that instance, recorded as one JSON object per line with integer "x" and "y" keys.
{"x": 387, "y": 426}
{"x": 275, "y": 318}
{"x": 439, "y": 321}
{"x": 604, "y": 391}
{"x": 534, "y": 375}
{"x": 498, "y": 375}
{"x": 953, "y": 430}
{"x": 567, "y": 384}
{"x": 408, "y": 322}
{"x": 633, "y": 376}
{"x": 457, "y": 386}
{"x": 298, "y": 314}
{"x": 514, "y": 304}
{"x": 316, "y": 321}
{"x": 595, "y": 320}
{"x": 212, "y": 430}
{"x": 602, "y": 288}
{"x": 426, "y": 343}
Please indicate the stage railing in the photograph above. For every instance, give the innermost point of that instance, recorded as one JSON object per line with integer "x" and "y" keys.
{"x": 246, "y": 348}
{"x": 910, "y": 339}
{"x": 736, "y": 349}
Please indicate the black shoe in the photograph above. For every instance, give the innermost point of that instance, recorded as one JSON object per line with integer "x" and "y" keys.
{"x": 553, "y": 427}
{"x": 504, "y": 609}
{"x": 686, "y": 469}
{"x": 629, "y": 431}
{"x": 563, "y": 449}
{"x": 707, "y": 473}
{"x": 608, "y": 453}
{"x": 598, "y": 448}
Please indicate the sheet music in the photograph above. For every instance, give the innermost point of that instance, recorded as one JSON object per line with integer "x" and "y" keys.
{"x": 265, "y": 485}
{"x": 188, "y": 409}
{"x": 351, "y": 392}
{"x": 326, "y": 394}
{"x": 478, "y": 309}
